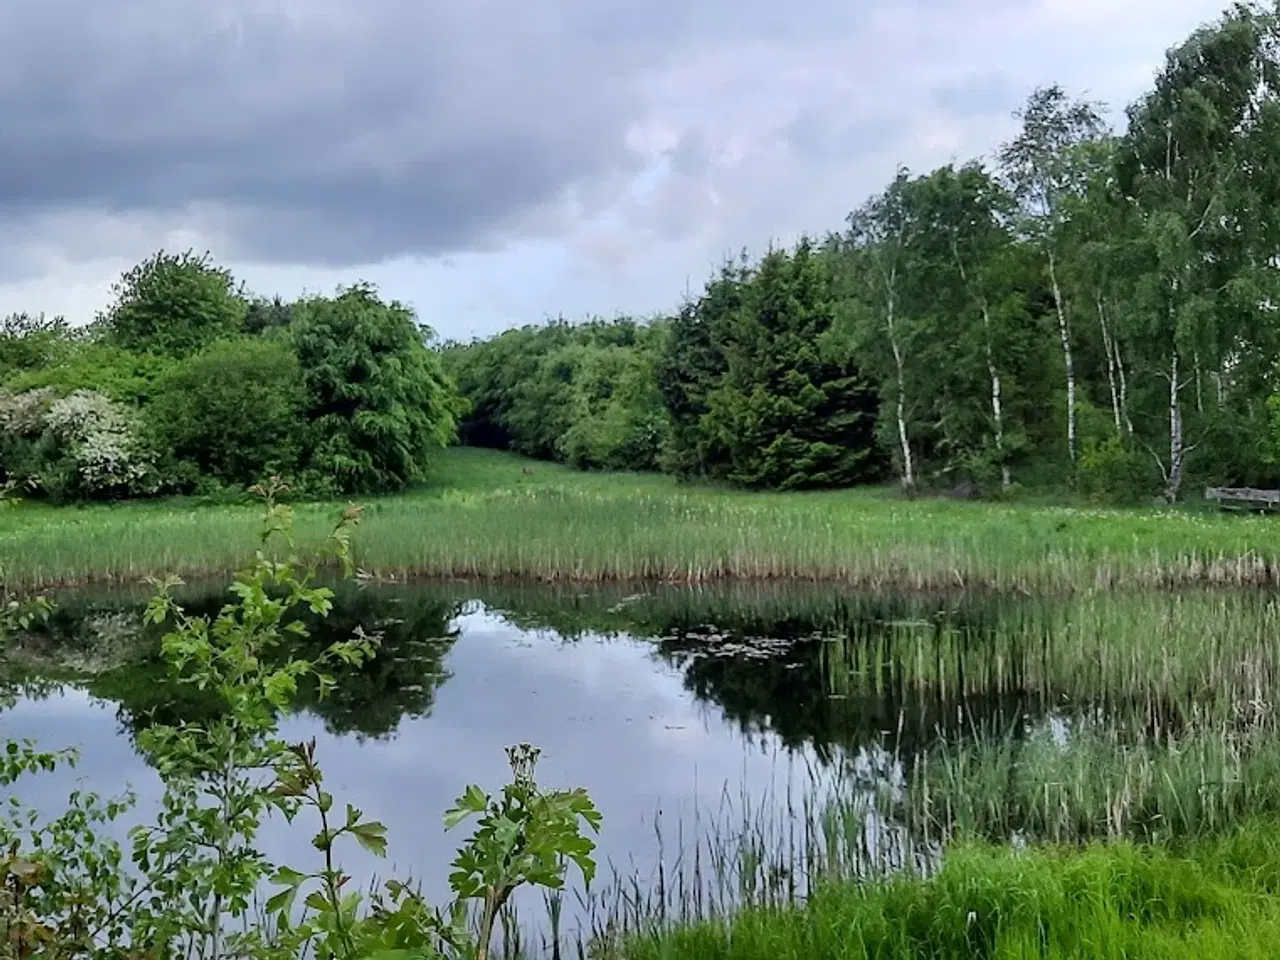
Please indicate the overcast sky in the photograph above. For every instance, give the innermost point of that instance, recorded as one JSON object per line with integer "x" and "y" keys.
{"x": 494, "y": 162}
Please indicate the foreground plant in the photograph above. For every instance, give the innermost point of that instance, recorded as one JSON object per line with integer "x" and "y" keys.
{"x": 527, "y": 836}
{"x": 197, "y": 871}
{"x": 200, "y": 856}
{"x": 62, "y": 890}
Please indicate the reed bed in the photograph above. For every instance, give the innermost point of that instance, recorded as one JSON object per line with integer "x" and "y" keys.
{"x": 1143, "y": 719}
{"x": 968, "y": 836}
{"x": 483, "y": 517}
{"x": 1213, "y": 899}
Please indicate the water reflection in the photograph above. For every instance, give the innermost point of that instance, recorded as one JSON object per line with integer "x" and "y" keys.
{"x": 764, "y": 730}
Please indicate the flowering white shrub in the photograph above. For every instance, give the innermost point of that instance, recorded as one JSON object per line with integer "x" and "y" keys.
{"x": 23, "y": 414}
{"x": 83, "y": 413}
{"x": 100, "y": 436}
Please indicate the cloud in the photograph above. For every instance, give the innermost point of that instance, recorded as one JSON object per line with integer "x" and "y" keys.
{"x": 323, "y": 132}
{"x": 429, "y": 146}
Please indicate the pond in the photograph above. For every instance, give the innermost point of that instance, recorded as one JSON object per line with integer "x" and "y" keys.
{"x": 737, "y": 740}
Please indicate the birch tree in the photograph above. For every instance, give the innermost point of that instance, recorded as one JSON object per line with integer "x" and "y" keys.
{"x": 965, "y": 215}
{"x": 1187, "y": 165}
{"x": 1096, "y": 240}
{"x": 882, "y": 234}
{"x": 1037, "y": 166}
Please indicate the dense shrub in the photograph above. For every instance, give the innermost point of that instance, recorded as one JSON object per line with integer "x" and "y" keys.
{"x": 123, "y": 375}
{"x": 379, "y": 402}
{"x": 82, "y": 446}
{"x": 174, "y": 304}
{"x": 232, "y": 412}
{"x": 615, "y": 415}
{"x": 584, "y": 394}
{"x": 29, "y": 342}
{"x": 1111, "y": 471}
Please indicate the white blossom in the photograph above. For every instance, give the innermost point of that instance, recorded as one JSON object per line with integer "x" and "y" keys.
{"x": 101, "y": 437}
{"x": 23, "y": 414}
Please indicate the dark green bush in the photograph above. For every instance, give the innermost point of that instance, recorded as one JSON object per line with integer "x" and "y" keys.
{"x": 232, "y": 412}
{"x": 379, "y": 402}
{"x": 1112, "y": 471}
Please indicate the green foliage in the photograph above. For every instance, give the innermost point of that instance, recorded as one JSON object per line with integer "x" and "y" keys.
{"x": 263, "y": 316}
{"x": 123, "y": 375}
{"x": 172, "y": 305}
{"x": 585, "y": 394}
{"x": 616, "y": 416}
{"x": 791, "y": 409}
{"x": 1111, "y": 471}
{"x": 199, "y": 857}
{"x": 197, "y": 870}
{"x": 28, "y": 343}
{"x": 1235, "y": 447}
{"x": 691, "y": 363}
{"x": 231, "y": 412}
{"x": 528, "y": 836}
{"x": 379, "y": 402}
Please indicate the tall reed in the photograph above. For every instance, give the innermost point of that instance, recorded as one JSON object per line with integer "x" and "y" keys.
{"x": 487, "y": 519}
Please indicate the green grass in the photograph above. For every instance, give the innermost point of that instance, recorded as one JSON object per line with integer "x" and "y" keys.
{"x": 492, "y": 515}
{"x": 1212, "y": 899}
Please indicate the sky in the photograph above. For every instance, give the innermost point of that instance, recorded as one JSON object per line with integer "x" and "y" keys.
{"x": 497, "y": 162}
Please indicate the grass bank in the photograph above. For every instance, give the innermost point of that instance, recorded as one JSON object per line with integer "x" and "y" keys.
{"x": 491, "y": 515}
{"x": 1214, "y": 898}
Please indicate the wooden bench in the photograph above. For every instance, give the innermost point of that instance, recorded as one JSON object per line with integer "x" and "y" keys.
{"x": 1243, "y": 498}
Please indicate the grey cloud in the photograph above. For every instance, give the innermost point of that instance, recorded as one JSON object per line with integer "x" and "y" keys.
{"x": 410, "y": 131}
{"x": 980, "y": 94}
{"x": 820, "y": 135}
{"x": 337, "y": 131}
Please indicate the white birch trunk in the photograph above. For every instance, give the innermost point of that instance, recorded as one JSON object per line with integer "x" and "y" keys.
{"x": 1177, "y": 448}
{"x": 997, "y": 407}
{"x": 908, "y": 464}
{"x": 1111, "y": 362}
{"x": 1124, "y": 387}
{"x": 1064, "y": 333}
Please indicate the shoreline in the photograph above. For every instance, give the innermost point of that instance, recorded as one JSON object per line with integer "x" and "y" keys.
{"x": 1233, "y": 573}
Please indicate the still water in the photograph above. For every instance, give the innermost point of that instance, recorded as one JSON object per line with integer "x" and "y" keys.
{"x": 720, "y": 723}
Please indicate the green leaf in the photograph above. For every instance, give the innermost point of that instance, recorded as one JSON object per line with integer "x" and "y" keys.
{"x": 282, "y": 902}
{"x": 372, "y": 836}
{"x": 473, "y": 801}
{"x": 288, "y": 877}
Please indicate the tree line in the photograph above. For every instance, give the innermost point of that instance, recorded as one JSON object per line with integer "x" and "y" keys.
{"x": 1087, "y": 306}
{"x": 188, "y": 384}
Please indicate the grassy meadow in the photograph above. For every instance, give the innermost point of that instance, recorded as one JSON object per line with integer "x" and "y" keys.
{"x": 485, "y": 514}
